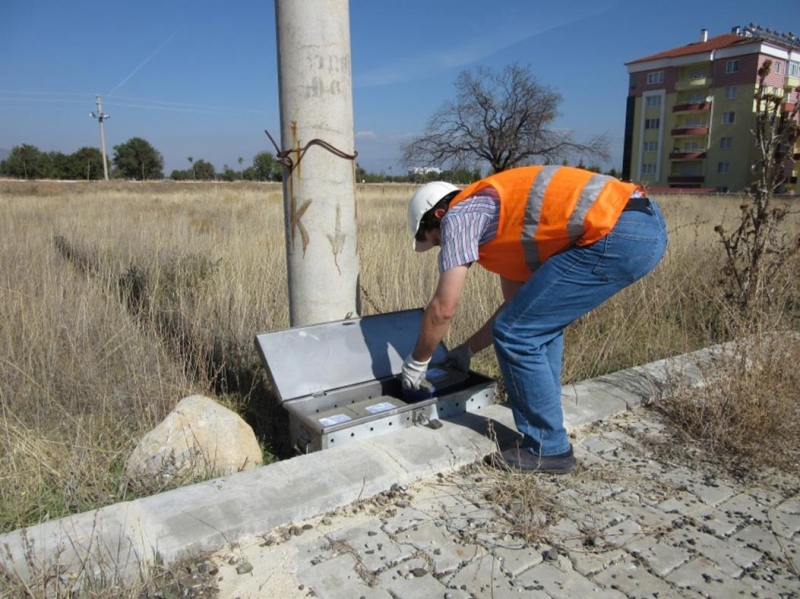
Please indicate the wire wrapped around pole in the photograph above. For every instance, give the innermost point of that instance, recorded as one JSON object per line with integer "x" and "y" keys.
{"x": 284, "y": 156}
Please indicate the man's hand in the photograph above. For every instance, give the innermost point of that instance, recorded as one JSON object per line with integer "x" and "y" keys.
{"x": 413, "y": 372}
{"x": 458, "y": 358}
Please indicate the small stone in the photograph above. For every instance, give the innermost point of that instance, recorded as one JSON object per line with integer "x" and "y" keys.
{"x": 296, "y": 531}
{"x": 418, "y": 572}
{"x": 244, "y": 568}
{"x": 550, "y": 555}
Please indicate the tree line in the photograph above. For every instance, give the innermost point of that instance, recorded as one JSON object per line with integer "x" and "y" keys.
{"x": 135, "y": 159}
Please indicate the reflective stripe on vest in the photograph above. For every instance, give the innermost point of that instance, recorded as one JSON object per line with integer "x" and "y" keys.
{"x": 544, "y": 210}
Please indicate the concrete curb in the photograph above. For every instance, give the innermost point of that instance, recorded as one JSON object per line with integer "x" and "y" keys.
{"x": 124, "y": 539}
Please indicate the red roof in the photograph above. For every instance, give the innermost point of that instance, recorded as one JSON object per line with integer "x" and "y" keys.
{"x": 715, "y": 43}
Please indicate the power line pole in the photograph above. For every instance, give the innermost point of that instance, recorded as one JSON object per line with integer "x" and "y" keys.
{"x": 100, "y": 116}
{"x": 319, "y": 159}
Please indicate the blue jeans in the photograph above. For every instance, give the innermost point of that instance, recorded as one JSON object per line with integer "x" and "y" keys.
{"x": 529, "y": 331}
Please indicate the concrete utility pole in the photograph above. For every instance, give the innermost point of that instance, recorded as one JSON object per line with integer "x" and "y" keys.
{"x": 100, "y": 118}
{"x": 317, "y": 136}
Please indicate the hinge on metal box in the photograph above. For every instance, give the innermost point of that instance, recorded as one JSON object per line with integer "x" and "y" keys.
{"x": 421, "y": 419}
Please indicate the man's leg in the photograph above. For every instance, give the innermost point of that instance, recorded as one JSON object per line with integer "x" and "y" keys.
{"x": 529, "y": 331}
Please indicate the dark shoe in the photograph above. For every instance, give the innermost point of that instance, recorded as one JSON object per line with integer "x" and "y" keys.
{"x": 518, "y": 458}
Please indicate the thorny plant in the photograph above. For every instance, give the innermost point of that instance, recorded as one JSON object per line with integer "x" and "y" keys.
{"x": 758, "y": 248}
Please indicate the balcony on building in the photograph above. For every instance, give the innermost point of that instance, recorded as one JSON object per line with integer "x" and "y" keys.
{"x": 694, "y": 83}
{"x": 692, "y": 155}
{"x": 692, "y": 107}
{"x": 686, "y": 179}
{"x": 688, "y": 131}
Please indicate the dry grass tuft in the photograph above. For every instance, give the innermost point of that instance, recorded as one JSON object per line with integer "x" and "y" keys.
{"x": 747, "y": 414}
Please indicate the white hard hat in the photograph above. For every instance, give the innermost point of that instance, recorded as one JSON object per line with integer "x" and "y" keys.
{"x": 425, "y": 198}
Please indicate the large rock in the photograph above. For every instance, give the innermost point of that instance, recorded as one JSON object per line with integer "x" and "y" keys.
{"x": 198, "y": 439}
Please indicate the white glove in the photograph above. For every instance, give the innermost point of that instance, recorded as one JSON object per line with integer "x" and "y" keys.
{"x": 458, "y": 358}
{"x": 413, "y": 372}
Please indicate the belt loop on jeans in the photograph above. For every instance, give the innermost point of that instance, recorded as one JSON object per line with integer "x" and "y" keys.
{"x": 638, "y": 204}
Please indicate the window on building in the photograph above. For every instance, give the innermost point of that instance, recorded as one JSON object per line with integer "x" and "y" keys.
{"x": 655, "y": 77}
{"x": 778, "y": 66}
{"x": 728, "y": 118}
{"x": 695, "y": 121}
{"x": 697, "y": 98}
{"x": 697, "y": 75}
{"x": 651, "y": 101}
{"x": 648, "y": 169}
{"x": 731, "y": 92}
{"x": 650, "y": 146}
{"x": 691, "y": 146}
{"x": 794, "y": 68}
{"x": 732, "y": 66}
{"x": 725, "y": 143}
{"x": 652, "y": 123}
{"x": 632, "y": 80}
{"x": 723, "y": 168}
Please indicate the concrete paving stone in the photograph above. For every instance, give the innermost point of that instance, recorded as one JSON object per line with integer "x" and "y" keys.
{"x": 682, "y": 504}
{"x": 469, "y": 518}
{"x": 375, "y": 549}
{"x": 772, "y": 497}
{"x": 632, "y": 579}
{"x": 745, "y": 505}
{"x": 411, "y": 580}
{"x": 591, "y": 562}
{"x": 785, "y": 518}
{"x": 560, "y": 581}
{"x": 406, "y": 517}
{"x": 730, "y": 558}
{"x": 484, "y": 578}
{"x": 710, "y": 494}
{"x": 516, "y": 560}
{"x": 442, "y": 550}
{"x": 759, "y": 538}
{"x": 644, "y": 515}
{"x": 774, "y": 582}
{"x": 622, "y": 533}
{"x": 662, "y": 558}
{"x": 454, "y": 555}
{"x": 585, "y": 458}
{"x": 599, "y": 445}
{"x": 424, "y": 536}
{"x": 701, "y": 575}
{"x": 338, "y": 579}
{"x": 592, "y": 489}
{"x": 719, "y": 523}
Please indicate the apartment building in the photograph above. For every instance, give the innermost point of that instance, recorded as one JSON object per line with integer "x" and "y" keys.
{"x": 690, "y": 111}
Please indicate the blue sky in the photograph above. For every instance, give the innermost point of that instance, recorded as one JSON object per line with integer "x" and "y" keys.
{"x": 199, "y": 77}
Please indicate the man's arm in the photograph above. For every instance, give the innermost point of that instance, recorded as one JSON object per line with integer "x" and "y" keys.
{"x": 440, "y": 311}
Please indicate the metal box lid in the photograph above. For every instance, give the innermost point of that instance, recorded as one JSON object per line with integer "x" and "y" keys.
{"x": 319, "y": 358}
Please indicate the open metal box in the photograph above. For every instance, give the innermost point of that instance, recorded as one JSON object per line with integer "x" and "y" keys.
{"x": 340, "y": 381}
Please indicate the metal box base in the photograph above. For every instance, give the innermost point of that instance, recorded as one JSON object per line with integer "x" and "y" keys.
{"x": 376, "y": 408}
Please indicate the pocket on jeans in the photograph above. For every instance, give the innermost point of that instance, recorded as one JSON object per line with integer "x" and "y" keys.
{"x": 627, "y": 257}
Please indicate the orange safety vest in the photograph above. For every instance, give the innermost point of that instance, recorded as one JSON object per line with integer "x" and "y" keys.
{"x": 543, "y": 211}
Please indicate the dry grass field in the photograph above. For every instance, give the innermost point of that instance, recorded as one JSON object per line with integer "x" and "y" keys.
{"x": 119, "y": 299}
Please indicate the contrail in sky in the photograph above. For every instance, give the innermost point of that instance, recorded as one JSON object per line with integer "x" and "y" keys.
{"x": 146, "y": 60}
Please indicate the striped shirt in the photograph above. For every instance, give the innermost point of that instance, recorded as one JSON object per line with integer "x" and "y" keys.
{"x": 466, "y": 226}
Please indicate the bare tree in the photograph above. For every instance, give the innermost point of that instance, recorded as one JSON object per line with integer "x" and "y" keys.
{"x": 502, "y": 117}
